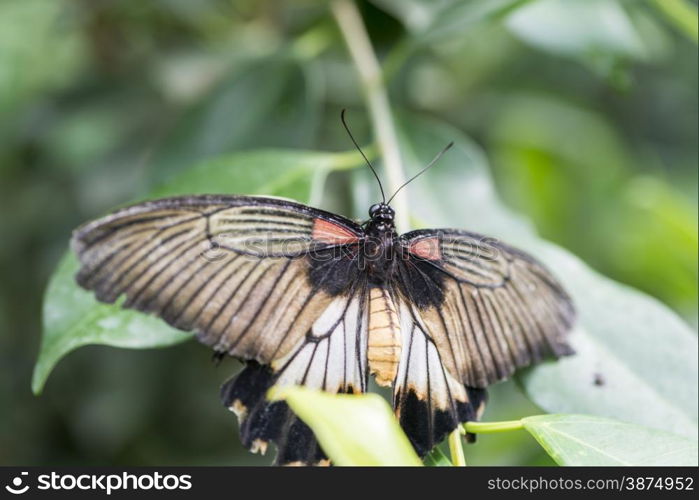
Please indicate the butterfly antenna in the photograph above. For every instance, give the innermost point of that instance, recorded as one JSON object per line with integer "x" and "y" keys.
{"x": 436, "y": 158}
{"x": 344, "y": 123}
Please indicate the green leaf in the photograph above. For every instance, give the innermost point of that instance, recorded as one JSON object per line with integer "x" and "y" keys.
{"x": 644, "y": 354}
{"x": 430, "y": 20}
{"x": 682, "y": 14}
{"x": 351, "y": 429}
{"x": 72, "y": 317}
{"x": 282, "y": 112}
{"x": 649, "y": 228}
{"x": 599, "y": 33}
{"x": 577, "y": 27}
{"x": 436, "y": 458}
{"x": 286, "y": 173}
{"x": 660, "y": 237}
{"x": 588, "y": 440}
{"x": 36, "y": 37}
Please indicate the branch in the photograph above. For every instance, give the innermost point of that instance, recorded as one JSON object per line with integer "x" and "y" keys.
{"x": 491, "y": 427}
{"x": 357, "y": 40}
{"x": 456, "y": 450}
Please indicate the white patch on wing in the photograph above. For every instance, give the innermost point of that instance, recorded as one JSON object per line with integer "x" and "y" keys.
{"x": 349, "y": 339}
{"x": 295, "y": 370}
{"x": 420, "y": 366}
{"x": 328, "y": 358}
{"x": 329, "y": 321}
{"x": 316, "y": 370}
{"x": 336, "y": 362}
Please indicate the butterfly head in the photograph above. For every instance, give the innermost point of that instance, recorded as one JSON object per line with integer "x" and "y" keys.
{"x": 381, "y": 212}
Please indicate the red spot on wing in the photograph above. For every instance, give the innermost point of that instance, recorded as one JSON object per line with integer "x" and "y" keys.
{"x": 427, "y": 248}
{"x": 329, "y": 232}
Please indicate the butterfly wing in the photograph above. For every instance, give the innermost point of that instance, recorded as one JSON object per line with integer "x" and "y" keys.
{"x": 257, "y": 278}
{"x": 228, "y": 268}
{"x": 331, "y": 357}
{"x": 429, "y": 400}
{"x": 473, "y": 310}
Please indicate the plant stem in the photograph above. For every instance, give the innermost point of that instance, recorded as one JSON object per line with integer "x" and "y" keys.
{"x": 371, "y": 79}
{"x": 456, "y": 449}
{"x": 491, "y": 427}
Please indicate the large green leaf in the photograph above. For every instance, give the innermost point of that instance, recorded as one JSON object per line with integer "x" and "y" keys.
{"x": 649, "y": 228}
{"x": 599, "y": 33}
{"x": 35, "y": 39}
{"x": 351, "y": 429}
{"x": 573, "y": 27}
{"x": 588, "y": 440}
{"x": 283, "y": 113}
{"x": 73, "y": 317}
{"x": 429, "y": 20}
{"x": 682, "y": 14}
{"x": 636, "y": 360}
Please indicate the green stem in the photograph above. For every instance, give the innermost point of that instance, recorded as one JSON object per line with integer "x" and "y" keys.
{"x": 456, "y": 449}
{"x": 491, "y": 427}
{"x": 371, "y": 79}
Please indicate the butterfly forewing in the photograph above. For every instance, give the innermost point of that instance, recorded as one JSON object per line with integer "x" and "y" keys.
{"x": 489, "y": 308}
{"x": 472, "y": 311}
{"x": 227, "y": 268}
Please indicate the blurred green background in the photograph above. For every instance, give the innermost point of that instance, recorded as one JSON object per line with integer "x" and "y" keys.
{"x": 587, "y": 110}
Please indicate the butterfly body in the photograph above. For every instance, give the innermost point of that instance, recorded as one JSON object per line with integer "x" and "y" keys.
{"x": 307, "y": 297}
{"x": 379, "y": 245}
{"x": 385, "y": 341}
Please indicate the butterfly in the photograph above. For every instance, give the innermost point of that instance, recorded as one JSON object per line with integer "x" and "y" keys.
{"x": 304, "y": 296}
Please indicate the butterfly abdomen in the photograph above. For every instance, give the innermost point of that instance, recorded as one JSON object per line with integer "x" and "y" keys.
{"x": 384, "y": 337}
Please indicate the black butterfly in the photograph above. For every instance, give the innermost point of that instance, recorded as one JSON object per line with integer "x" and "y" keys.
{"x": 308, "y": 297}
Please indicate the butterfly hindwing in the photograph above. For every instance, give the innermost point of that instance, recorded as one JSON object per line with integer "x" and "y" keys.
{"x": 330, "y": 357}
{"x": 429, "y": 400}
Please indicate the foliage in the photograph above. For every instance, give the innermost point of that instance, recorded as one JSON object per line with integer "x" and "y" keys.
{"x": 589, "y": 128}
{"x": 586, "y": 440}
{"x": 368, "y": 435}
{"x": 351, "y": 429}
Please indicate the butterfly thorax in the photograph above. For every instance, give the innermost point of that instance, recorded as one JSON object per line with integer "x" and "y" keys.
{"x": 380, "y": 244}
